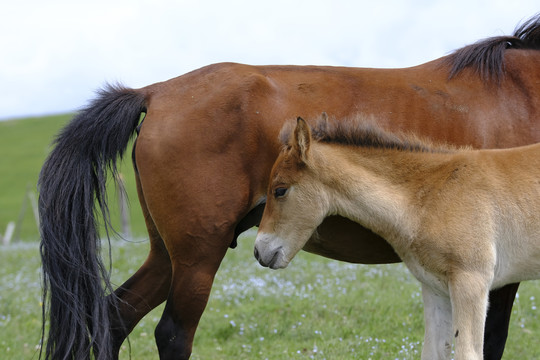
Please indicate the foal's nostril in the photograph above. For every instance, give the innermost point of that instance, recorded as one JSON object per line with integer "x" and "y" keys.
{"x": 274, "y": 259}
{"x": 256, "y": 254}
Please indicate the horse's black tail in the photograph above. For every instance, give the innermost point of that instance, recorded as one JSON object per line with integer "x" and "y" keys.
{"x": 71, "y": 182}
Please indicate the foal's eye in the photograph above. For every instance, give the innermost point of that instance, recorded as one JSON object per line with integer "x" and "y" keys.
{"x": 280, "y": 192}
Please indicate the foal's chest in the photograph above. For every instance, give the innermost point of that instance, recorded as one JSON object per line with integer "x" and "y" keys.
{"x": 437, "y": 282}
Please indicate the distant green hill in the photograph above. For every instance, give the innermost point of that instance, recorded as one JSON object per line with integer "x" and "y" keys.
{"x": 24, "y": 145}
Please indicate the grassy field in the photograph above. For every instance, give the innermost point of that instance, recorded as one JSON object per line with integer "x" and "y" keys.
{"x": 315, "y": 309}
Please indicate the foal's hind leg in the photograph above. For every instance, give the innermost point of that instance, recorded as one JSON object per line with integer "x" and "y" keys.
{"x": 146, "y": 289}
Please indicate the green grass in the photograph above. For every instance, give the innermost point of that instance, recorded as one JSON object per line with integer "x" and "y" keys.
{"x": 315, "y": 309}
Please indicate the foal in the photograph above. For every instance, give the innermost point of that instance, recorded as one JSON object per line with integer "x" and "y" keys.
{"x": 463, "y": 221}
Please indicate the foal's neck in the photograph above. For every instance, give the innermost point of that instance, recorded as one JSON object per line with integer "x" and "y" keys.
{"x": 382, "y": 189}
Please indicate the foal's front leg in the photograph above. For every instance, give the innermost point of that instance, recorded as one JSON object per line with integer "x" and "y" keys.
{"x": 469, "y": 297}
{"x": 438, "y": 325}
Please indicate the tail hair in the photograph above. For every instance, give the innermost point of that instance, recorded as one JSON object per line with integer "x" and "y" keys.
{"x": 72, "y": 181}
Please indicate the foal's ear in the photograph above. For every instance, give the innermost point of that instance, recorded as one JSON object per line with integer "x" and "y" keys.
{"x": 302, "y": 139}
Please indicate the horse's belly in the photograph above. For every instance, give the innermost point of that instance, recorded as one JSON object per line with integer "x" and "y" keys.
{"x": 342, "y": 239}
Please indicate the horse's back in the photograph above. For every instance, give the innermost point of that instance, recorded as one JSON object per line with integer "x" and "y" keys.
{"x": 465, "y": 109}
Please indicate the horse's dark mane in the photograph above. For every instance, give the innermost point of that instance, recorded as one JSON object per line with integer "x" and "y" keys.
{"x": 364, "y": 132}
{"x": 486, "y": 57}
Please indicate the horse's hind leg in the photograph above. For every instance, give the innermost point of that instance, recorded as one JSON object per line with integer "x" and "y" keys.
{"x": 195, "y": 261}
{"x": 146, "y": 289}
{"x": 197, "y": 228}
{"x": 499, "y": 312}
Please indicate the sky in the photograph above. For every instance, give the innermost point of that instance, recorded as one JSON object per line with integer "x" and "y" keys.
{"x": 55, "y": 54}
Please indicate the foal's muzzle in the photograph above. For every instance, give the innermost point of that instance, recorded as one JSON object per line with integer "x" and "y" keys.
{"x": 270, "y": 260}
{"x": 269, "y": 253}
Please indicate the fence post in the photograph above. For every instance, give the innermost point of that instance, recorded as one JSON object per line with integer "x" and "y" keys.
{"x": 33, "y": 202}
{"x": 22, "y": 213}
{"x": 6, "y": 239}
{"x": 14, "y": 228}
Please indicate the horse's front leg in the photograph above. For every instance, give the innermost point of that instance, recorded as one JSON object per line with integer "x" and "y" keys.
{"x": 469, "y": 297}
{"x": 438, "y": 325}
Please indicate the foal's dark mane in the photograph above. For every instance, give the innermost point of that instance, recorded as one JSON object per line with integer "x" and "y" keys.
{"x": 486, "y": 57}
{"x": 364, "y": 132}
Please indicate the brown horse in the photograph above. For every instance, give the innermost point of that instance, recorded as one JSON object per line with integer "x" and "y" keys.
{"x": 203, "y": 157}
{"x": 463, "y": 221}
